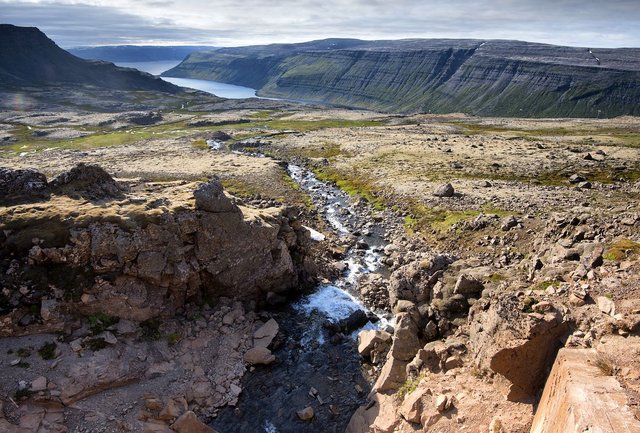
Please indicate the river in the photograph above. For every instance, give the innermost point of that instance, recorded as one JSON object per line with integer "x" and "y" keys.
{"x": 217, "y": 88}
{"x": 309, "y": 357}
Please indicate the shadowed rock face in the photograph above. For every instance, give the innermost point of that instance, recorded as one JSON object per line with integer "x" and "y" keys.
{"x": 508, "y": 78}
{"x": 29, "y": 58}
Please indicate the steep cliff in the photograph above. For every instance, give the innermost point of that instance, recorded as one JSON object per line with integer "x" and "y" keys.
{"x": 29, "y": 58}
{"x": 493, "y": 77}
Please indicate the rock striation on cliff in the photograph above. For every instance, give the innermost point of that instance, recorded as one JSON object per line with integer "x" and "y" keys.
{"x": 492, "y": 77}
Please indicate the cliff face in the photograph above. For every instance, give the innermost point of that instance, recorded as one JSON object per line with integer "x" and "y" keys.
{"x": 29, "y": 58}
{"x": 136, "y": 261}
{"x": 506, "y": 78}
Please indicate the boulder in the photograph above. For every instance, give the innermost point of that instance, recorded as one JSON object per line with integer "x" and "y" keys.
{"x": 87, "y": 180}
{"x": 370, "y": 339}
{"x": 468, "y": 285}
{"x": 21, "y": 184}
{"x": 606, "y": 305}
{"x": 444, "y": 190}
{"x": 406, "y": 342}
{"x": 519, "y": 346}
{"x": 259, "y": 355}
{"x": 306, "y": 414}
{"x": 210, "y": 197}
{"x": 392, "y": 376}
{"x": 413, "y": 404}
{"x": 265, "y": 334}
{"x": 189, "y": 423}
{"x": 414, "y": 281}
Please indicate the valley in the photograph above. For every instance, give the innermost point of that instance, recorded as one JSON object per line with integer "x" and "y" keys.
{"x": 172, "y": 261}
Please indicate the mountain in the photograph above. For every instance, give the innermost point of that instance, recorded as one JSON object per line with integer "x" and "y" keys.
{"x": 136, "y": 53}
{"x": 29, "y": 58}
{"x": 482, "y": 77}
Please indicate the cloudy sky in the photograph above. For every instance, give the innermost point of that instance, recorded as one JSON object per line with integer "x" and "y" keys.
{"x": 589, "y": 23}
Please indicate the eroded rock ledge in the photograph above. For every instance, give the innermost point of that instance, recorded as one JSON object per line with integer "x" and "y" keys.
{"x": 153, "y": 290}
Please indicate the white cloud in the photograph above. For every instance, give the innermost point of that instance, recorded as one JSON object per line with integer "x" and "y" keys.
{"x": 232, "y": 22}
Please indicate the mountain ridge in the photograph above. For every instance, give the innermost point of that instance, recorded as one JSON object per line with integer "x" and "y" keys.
{"x": 482, "y": 77}
{"x": 29, "y": 58}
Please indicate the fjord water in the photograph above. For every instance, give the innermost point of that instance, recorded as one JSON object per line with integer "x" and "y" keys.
{"x": 217, "y": 88}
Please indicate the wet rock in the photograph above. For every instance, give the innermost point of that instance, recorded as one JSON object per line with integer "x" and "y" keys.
{"x": 445, "y": 190}
{"x": 189, "y": 423}
{"x": 210, "y": 197}
{"x": 265, "y": 334}
{"x": 259, "y": 355}
{"x": 356, "y": 320}
{"x": 306, "y": 414}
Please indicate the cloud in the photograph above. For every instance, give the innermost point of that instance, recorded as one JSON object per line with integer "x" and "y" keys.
{"x": 229, "y": 22}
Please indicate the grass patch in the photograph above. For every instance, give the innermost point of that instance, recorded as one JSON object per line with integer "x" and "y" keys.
{"x": 173, "y": 339}
{"x": 544, "y": 285}
{"x": 200, "y": 144}
{"x": 100, "y": 322}
{"x": 23, "y": 352}
{"x": 48, "y": 351}
{"x": 621, "y": 249}
{"x": 605, "y": 365}
{"x": 409, "y": 386}
{"x": 441, "y": 220}
{"x": 150, "y": 330}
{"x": 352, "y": 185}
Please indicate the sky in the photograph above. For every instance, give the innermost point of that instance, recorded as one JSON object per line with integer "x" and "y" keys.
{"x": 71, "y": 23}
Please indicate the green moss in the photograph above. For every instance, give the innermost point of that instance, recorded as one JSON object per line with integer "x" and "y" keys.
{"x": 95, "y": 344}
{"x": 621, "y": 249}
{"x": 150, "y": 330}
{"x": 23, "y": 352}
{"x": 101, "y": 322}
{"x": 543, "y": 285}
{"x": 357, "y": 185}
{"x": 441, "y": 220}
{"x": 409, "y": 386}
{"x": 200, "y": 144}
{"x": 48, "y": 351}
{"x": 172, "y": 339}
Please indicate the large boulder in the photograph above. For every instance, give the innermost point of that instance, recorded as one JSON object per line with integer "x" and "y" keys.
{"x": 516, "y": 344}
{"x": 86, "y": 180}
{"x": 210, "y": 197}
{"x": 415, "y": 280}
{"x": 21, "y": 184}
{"x": 406, "y": 342}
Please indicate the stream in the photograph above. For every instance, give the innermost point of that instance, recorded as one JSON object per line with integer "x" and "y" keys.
{"x": 314, "y": 368}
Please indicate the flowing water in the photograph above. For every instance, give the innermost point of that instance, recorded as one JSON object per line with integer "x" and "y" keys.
{"x": 307, "y": 357}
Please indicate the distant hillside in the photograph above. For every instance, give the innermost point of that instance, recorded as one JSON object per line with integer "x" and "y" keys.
{"x": 29, "y": 58}
{"x": 494, "y": 77}
{"x": 135, "y": 53}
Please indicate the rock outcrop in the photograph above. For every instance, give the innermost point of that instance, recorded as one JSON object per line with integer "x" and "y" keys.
{"x": 147, "y": 263}
{"x": 578, "y": 397}
{"x": 516, "y": 343}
